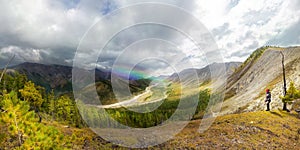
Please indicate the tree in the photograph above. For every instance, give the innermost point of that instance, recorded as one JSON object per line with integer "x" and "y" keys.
{"x": 33, "y": 96}
{"x": 65, "y": 109}
{"x": 13, "y": 82}
{"x": 51, "y": 105}
{"x": 291, "y": 95}
{"x": 22, "y": 124}
{"x": 14, "y": 111}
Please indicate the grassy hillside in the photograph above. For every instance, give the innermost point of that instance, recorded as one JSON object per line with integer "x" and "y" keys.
{"x": 255, "y": 130}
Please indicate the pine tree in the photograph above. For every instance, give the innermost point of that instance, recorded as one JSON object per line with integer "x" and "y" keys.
{"x": 33, "y": 96}
{"x": 23, "y": 125}
{"x": 292, "y": 94}
{"x": 13, "y": 82}
{"x": 15, "y": 112}
{"x": 51, "y": 106}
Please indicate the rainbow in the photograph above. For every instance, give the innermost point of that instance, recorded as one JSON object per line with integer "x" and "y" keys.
{"x": 124, "y": 71}
{"x": 136, "y": 73}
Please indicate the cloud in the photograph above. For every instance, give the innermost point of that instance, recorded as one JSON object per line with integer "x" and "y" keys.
{"x": 242, "y": 26}
{"x": 32, "y": 55}
{"x": 288, "y": 37}
{"x": 49, "y": 31}
{"x": 221, "y": 31}
{"x": 52, "y": 25}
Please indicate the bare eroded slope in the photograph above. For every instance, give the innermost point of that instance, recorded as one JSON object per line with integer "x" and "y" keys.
{"x": 245, "y": 88}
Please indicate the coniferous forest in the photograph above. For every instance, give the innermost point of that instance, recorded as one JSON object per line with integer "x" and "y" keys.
{"x": 32, "y": 117}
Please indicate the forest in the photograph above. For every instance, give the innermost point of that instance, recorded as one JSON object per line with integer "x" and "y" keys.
{"x": 27, "y": 111}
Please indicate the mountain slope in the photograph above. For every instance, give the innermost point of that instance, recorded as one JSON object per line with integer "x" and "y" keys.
{"x": 55, "y": 77}
{"x": 59, "y": 78}
{"x": 204, "y": 74}
{"x": 246, "y": 86}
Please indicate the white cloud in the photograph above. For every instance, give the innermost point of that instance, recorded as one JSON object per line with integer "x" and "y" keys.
{"x": 251, "y": 24}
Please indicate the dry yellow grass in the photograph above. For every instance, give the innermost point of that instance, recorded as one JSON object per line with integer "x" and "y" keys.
{"x": 253, "y": 130}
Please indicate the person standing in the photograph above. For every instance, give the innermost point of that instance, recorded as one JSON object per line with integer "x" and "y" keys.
{"x": 268, "y": 99}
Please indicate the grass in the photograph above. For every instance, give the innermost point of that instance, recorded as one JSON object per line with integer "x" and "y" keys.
{"x": 254, "y": 130}
{"x": 174, "y": 91}
{"x": 82, "y": 138}
{"x": 251, "y": 130}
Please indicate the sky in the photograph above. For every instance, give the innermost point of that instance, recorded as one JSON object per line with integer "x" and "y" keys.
{"x": 50, "y": 31}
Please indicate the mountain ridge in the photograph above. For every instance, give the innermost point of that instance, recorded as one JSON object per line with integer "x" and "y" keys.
{"x": 57, "y": 77}
{"x": 204, "y": 74}
{"x": 246, "y": 86}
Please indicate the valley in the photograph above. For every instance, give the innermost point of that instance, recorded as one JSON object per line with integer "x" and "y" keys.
{"x": 152, "y": 102}
{"x": 153, "y": 93}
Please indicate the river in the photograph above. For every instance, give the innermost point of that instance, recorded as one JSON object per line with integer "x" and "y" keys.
{"x": 154, "y": 93}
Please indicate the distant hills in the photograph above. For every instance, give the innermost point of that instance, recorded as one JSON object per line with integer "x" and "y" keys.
{"x": 55, "y": 77}
{"x": 59, "y": 78}
{"x": 204, "y": 74}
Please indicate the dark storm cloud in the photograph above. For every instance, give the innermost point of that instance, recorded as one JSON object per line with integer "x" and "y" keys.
{"x": 52, "y": 29}
{"x": 48, "y": 25}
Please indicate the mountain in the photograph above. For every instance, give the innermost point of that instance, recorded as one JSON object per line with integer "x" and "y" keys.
{"x": 263, "y": 69}
{"x": 204, "y": 74}
{"x": 59, "y": 78}
{"x": 55, "y": 77}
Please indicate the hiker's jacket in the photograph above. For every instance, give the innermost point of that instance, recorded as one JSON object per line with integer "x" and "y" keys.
{"x": 268, "y": 97}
